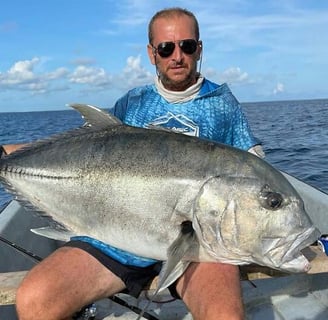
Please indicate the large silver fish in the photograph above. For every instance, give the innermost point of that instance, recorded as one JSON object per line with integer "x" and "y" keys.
{"x": 162, "y": 195}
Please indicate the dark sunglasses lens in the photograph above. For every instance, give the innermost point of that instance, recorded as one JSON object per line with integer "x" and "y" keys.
{"x": 188, "y": 46}
{"x": 165, "y": 49}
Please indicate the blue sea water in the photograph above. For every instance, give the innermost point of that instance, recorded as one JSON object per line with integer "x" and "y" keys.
{"x": 294, "y": 134}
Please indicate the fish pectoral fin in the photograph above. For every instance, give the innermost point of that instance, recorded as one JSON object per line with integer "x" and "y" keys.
{"x": 174, "y": 267}
{"x": 168, "y": 278}
{"x": 96, "y": 117}
{"x": 56, "y": 234}
{"x": 166, "y": 281}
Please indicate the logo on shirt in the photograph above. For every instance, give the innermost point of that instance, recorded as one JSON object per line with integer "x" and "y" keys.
{"x": 178, "y": 123}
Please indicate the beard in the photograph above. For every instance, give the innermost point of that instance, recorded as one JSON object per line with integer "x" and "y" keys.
{"x": 178, "y": 85}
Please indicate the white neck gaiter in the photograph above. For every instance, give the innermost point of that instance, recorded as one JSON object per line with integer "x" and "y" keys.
{"x": 179, "y": 96}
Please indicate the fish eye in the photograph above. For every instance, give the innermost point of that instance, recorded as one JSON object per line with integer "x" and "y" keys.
{"x": 274, "y": 200}
{"x": 269, "y": 199}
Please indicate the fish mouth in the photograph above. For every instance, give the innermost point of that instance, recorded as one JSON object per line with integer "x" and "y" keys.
{"x": 291, "y": 260}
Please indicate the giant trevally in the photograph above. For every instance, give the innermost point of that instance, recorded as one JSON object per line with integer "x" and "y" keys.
{"x": 162, "y": 195}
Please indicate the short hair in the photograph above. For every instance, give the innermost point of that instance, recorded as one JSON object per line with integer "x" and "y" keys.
{"x": 169, "y": 13}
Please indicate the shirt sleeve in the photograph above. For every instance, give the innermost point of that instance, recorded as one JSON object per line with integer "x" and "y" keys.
{"x": 242, "y": 136}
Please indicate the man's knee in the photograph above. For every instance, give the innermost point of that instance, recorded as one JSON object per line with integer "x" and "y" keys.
{"x": 30, "y": 301}
{"x": 212, "y": 291}
{"x": 63, "y": 283}
{"x": 38, "y": 296}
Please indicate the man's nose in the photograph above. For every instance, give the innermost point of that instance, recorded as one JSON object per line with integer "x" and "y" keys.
{"x": 177, "y": 54}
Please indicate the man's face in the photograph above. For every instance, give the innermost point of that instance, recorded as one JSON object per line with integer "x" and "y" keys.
{"x": 177, "y": 71}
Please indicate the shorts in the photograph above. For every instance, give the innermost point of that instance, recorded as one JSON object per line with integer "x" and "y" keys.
{"x": 134, "y": 278}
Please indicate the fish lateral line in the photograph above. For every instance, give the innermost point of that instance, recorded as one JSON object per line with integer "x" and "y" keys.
{"x": 8, "y": 170}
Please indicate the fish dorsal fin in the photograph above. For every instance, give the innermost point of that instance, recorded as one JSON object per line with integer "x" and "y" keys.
{"x": 175, "y": 265}
{"x": 96, "y": 117}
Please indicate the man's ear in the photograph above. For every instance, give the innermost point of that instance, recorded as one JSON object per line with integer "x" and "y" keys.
{"x": 151, "y": 54}
{"x": 199, "y": 49}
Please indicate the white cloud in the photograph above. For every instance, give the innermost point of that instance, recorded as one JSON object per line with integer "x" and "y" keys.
{"x": 23, "y": 66}
{"x": 134, "y": 74}
{"x": 20, "y": 73}
{"x": 90, "y": 75}
{"x": 26, "y": 75}
{"x": 22, "y": 76}
{"x": 279, "y": 88}
{"x": 232, "y": 75}
{"x": 37, "y": 87}
{"x": 57, "y": 74}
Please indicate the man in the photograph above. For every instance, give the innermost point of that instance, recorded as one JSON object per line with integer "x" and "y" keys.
{"x": 181, "y": 99}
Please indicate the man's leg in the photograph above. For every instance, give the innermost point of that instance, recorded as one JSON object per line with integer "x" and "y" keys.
{"x": 62, "y": 284}
{"x": 212, "y": 291}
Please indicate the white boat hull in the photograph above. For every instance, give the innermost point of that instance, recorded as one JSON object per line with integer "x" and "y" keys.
{"x": 315, "y": 202}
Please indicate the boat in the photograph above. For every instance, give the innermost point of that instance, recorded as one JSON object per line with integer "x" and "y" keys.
{"x": 267, "y": 294}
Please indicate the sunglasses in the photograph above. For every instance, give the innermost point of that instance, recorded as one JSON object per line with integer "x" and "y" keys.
{"x": 165, "y": 49}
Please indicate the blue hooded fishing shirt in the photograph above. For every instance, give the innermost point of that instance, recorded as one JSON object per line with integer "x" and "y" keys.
{"x": 213, "y": 114}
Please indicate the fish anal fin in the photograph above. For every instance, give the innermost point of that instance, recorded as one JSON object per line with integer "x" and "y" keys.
{"x": 53, "y": 233}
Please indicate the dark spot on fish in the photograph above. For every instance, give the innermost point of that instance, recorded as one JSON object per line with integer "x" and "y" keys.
{"x": 186, "y": 227}
{"x": 214, "y": 213}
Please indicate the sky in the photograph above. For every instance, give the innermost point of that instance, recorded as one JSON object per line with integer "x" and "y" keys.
{"x": 56, "y": 52}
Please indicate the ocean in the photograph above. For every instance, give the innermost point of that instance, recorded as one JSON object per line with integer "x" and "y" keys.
{"x": 294, "y": 134}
